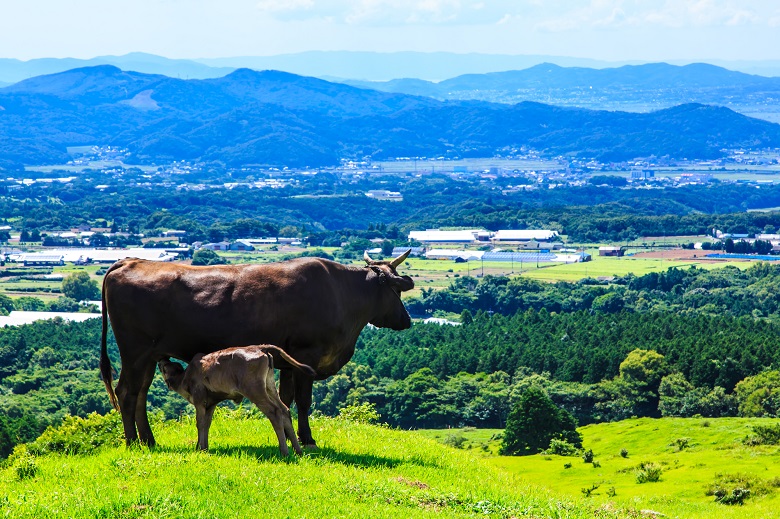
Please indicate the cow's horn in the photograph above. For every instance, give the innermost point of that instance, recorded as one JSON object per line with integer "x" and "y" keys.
{"x": 400, "y": 259}
{"x": 367, "y": 258}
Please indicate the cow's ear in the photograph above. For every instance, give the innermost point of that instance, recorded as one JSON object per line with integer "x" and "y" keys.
{"x": 380, "y": 274}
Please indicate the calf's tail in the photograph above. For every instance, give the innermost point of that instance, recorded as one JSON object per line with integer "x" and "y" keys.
{"x": 105, "y": 362}
{"x": 304, "y": 368}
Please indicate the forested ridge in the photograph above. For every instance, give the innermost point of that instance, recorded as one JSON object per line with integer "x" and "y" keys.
{"x": 583, "y": 214}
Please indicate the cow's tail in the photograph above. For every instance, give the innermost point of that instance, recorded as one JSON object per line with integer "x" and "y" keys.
{"x": 304, "y": 368}
{"x": 105, "y": 363}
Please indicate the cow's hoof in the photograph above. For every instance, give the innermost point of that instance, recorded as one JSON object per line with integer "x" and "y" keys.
{"x": 310, "y": 446}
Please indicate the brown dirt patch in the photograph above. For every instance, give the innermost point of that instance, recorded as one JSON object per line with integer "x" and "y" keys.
{"x": 680, "y": 254}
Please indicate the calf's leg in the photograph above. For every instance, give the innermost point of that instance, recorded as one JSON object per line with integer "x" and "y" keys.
{"x": 275, "y": 415}
{"x": 203, "y": 417}
{"x": 273, "y": 397}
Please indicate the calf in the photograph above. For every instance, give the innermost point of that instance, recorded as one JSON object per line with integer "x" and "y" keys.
{"x": 234, "y": 373}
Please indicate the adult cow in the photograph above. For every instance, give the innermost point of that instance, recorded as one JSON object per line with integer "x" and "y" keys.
{"x": 311, "y": 307}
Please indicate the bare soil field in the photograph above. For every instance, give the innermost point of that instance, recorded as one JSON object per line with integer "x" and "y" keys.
{"x": 682, "y": 254}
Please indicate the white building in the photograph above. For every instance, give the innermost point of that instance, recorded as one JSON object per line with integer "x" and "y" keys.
{"x": 437, "y": 236}
{"x": 519, "y": 236}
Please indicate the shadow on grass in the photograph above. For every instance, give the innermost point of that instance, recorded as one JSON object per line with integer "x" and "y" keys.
{"x": 260, "y": 452}
{"x": 271, "y": 452}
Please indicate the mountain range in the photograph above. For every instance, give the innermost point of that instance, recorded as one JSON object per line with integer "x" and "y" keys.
{"x": 630, "y": 87}
{"x": 366, "y": 66}
{"x": 278, "y": 118}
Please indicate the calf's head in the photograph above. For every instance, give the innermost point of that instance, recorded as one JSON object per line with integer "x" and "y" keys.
{"x": 390, "y": 311}
{"x": 173, "y": 374}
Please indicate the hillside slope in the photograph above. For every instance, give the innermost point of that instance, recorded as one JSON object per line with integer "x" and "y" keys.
{"x": 692, "y": 453}
{"x": 360, "y": 471}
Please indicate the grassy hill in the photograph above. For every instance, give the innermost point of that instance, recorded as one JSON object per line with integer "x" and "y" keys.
{"x": 693, "y": 454}
{"x": 359, "y": 471}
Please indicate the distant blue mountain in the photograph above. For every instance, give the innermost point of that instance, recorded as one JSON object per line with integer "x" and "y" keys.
{"x": 278, "y": 118}
{"x": 13, "y": 70}
{"x": 695, "y": 79}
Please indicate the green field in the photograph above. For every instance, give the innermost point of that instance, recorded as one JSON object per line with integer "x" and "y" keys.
{"x": 360, "y": 471}
{"x": 714, "y": 446}
{"x": 98, "y": 164}
{"x": 13, "y": 286}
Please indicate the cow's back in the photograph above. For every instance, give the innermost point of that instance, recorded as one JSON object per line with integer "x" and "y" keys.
{"x": 180, "y": 310}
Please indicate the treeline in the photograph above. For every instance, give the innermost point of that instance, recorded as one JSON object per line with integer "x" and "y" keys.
{"x": 599, "y": 367}
{"x": 584, "y": 214}
{"x": 723, "y": 291}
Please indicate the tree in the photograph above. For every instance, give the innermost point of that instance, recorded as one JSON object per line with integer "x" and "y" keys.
{"x": 80, "y": 286}
{"x": 609, "y": 303}
{"x": 759, "y": 395}
{"x": 534, "y": 421}
{"x": 387, "y": 248}
{"x": 6, "y": 304}
{"x": 63, "y": 304}
{"x": 644, "y": 368}
{"x": 29, "y": 304}
{"x": 207, "y": 257}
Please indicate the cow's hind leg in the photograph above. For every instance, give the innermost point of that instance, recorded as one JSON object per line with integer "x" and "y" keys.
{"x": 127, "y": 395}
{"x": 133, "y": 385}
{"x": 141, "y": 417}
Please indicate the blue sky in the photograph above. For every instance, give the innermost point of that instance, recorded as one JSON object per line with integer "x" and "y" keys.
{"x": 613, "y": 30}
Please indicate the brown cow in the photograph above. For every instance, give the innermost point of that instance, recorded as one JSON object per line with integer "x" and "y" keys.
{"x": 314, "y": 309}
{"x": 232, "y": 374}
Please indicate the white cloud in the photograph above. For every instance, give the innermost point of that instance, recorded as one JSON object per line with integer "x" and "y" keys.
{"x": 276, "y": 6}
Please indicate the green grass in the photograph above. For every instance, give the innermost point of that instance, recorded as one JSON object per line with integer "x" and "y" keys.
{"x": 359, "y": 471}
{"x": 715, "y": 447}
{"x": 602, "y": 266}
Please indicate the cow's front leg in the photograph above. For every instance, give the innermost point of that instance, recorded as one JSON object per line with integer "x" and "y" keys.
{"x": 303, "y": 389}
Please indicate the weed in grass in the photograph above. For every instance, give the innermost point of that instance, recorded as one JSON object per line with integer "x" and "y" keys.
{"x": 561, "y": 448}
{"x": 587, "y": 456}
{"x": 596, "y": 464}
{"x": 567, "y": 465}
{"x": 682, "y": 443}
{"x": 624, "y": 453}
{"x": 611, "y": 492}
{"x": 648, "y": 473}
{"x": 454, "y": 440}
{"x": 587, "y": 492}
{"x": 25, "y": 467}
{"x": 734, "y": 489}
{"x": 763, "y": 435}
